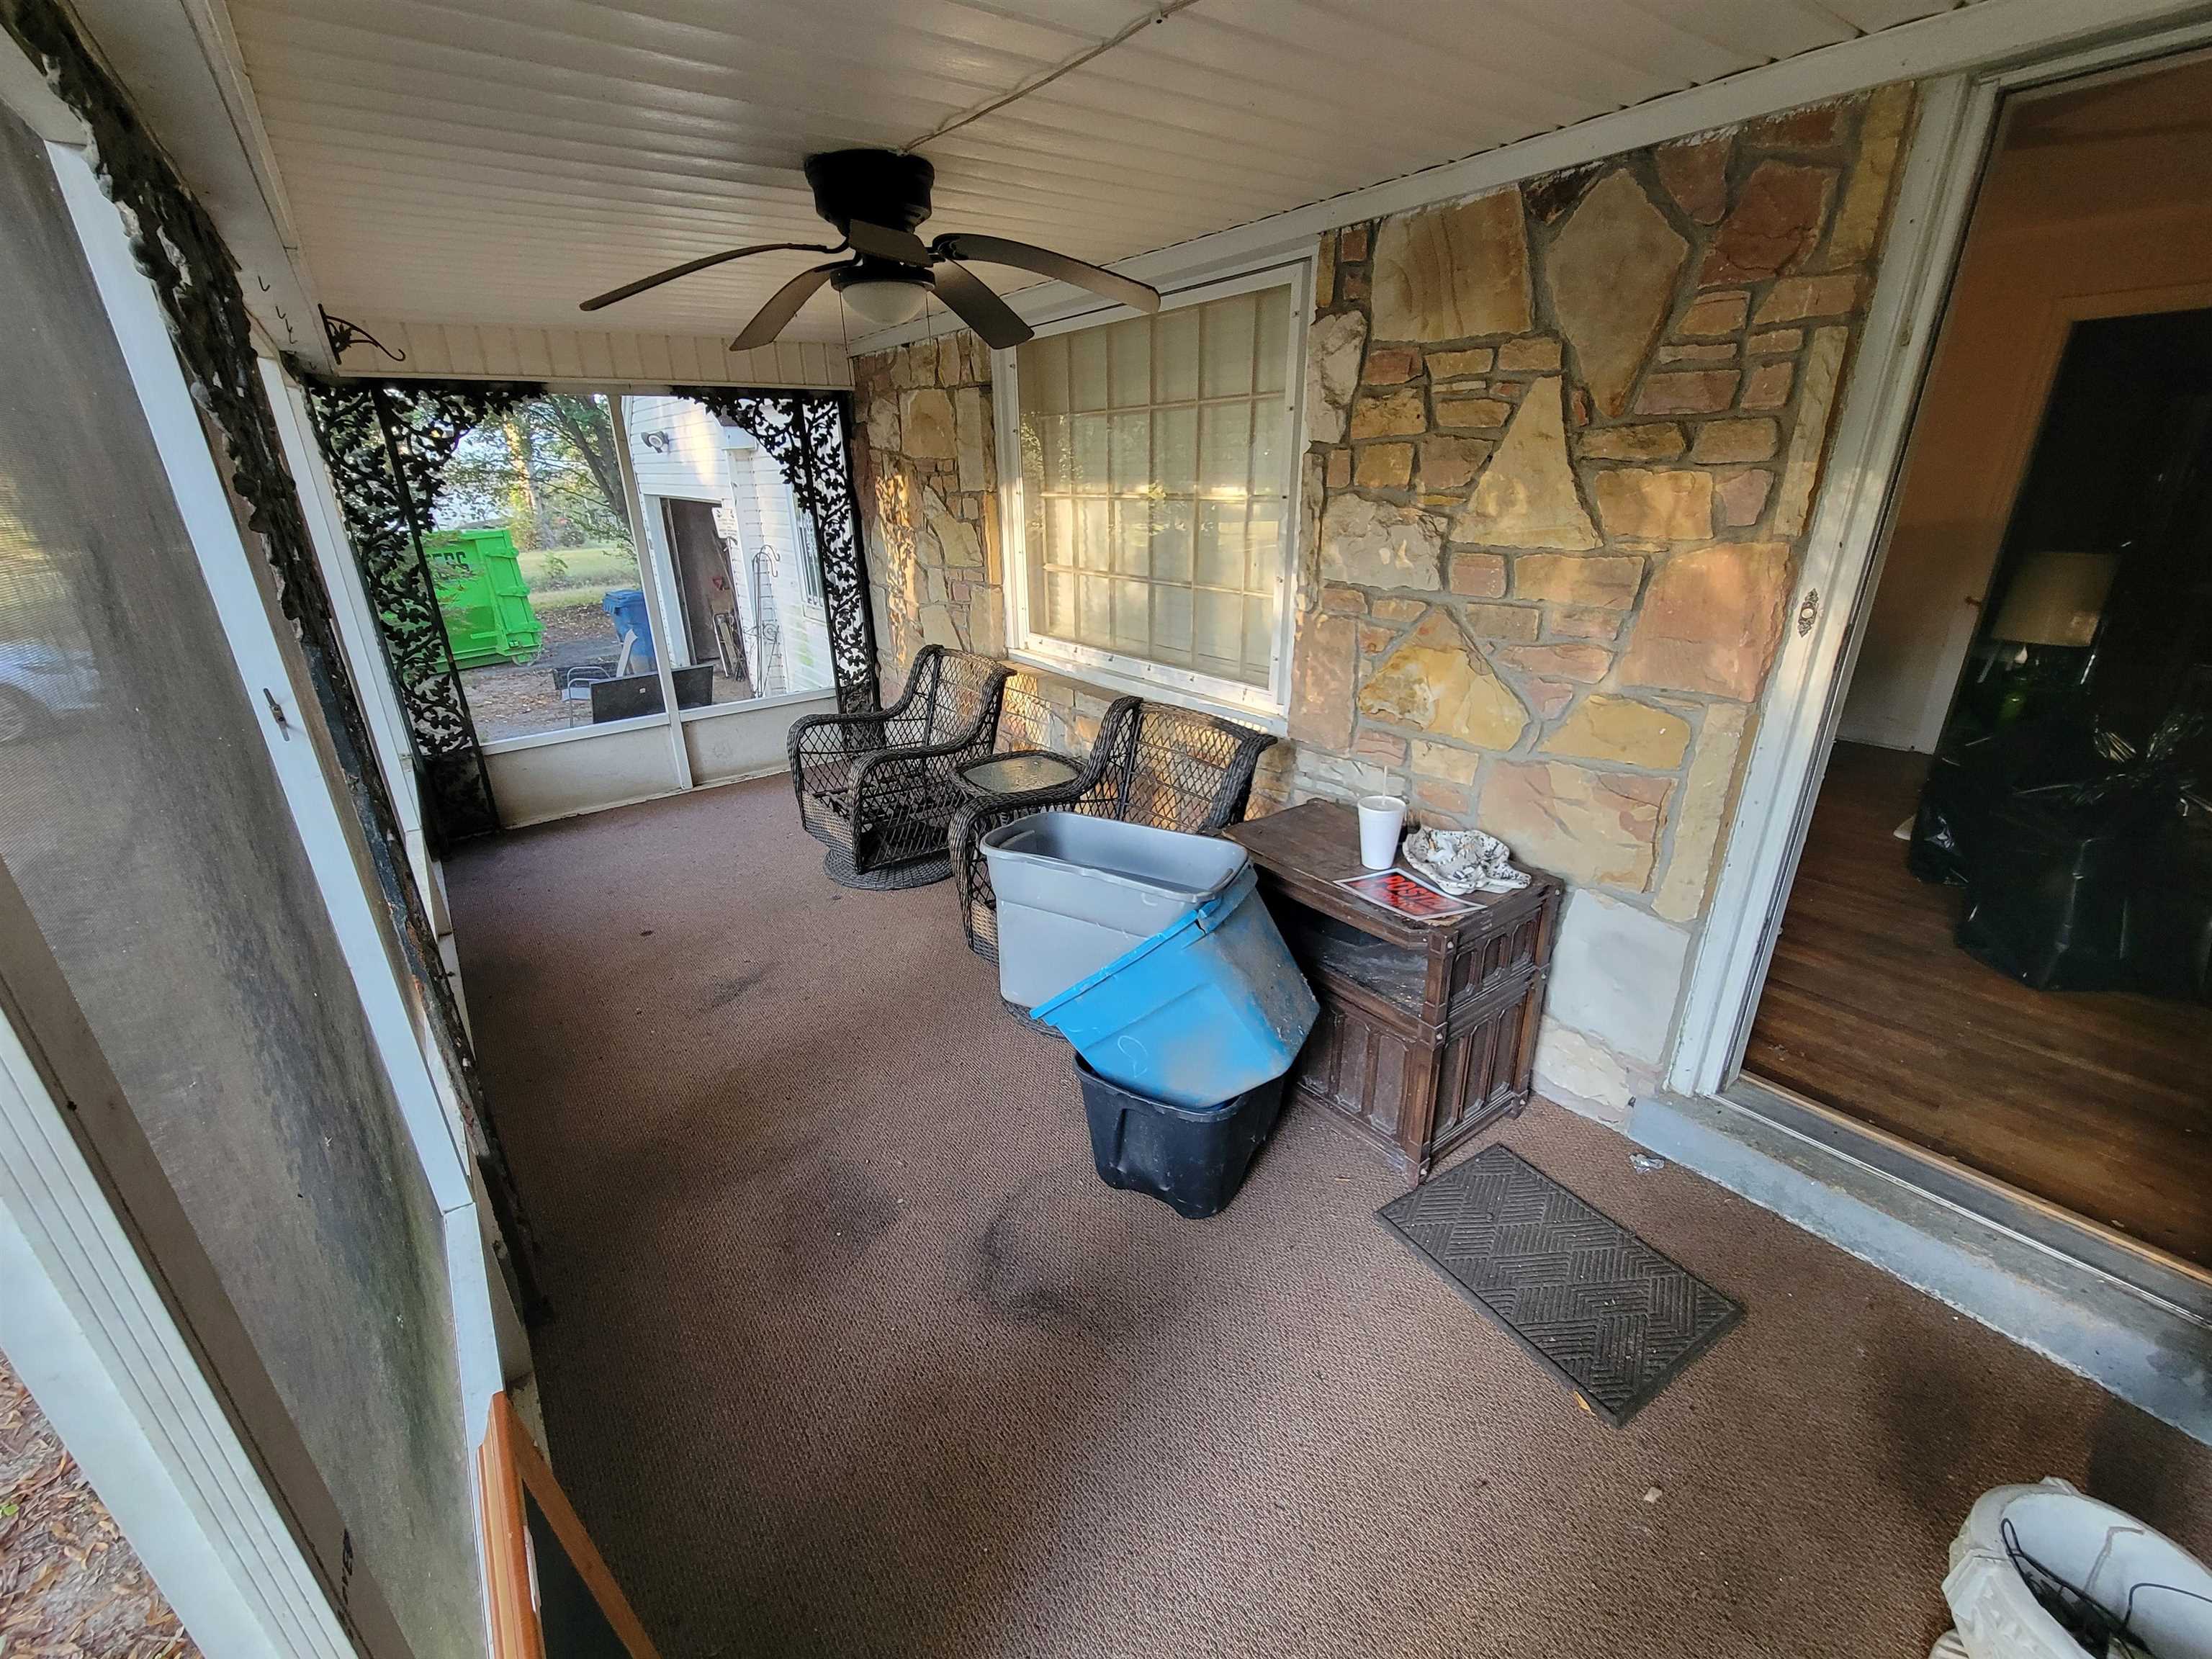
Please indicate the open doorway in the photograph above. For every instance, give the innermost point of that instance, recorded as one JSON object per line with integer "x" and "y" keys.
{"x": 1998, "y": 945}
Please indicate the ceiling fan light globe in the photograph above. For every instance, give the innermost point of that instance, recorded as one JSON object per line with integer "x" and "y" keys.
{"x": 886, "y": 304}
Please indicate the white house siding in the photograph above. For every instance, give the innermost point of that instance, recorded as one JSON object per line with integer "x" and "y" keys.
{"x": 704, "y": 460}
{"x": 767, "y": 518}
{"x": 690, "y": 468}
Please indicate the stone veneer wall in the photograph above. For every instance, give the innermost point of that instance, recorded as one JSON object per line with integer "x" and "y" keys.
{"x": 1564, "y": 440}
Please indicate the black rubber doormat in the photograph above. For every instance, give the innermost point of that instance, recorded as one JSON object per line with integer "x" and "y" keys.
{"x": 1613, "y": 1317}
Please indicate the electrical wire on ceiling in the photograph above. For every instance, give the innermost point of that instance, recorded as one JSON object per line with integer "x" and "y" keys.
{"x": 1158, "y": 14}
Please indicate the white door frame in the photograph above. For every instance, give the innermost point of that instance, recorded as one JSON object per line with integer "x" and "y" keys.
{"x": 1843, "y": 561}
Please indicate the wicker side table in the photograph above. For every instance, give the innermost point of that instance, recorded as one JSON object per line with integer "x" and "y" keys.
{"x": 1427, "y": 1028}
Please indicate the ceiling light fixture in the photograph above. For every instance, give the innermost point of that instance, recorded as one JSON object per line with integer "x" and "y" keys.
{"x": 884, "y": 294}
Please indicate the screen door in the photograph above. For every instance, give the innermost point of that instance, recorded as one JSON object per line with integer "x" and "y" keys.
{"x": 141, "y": 821}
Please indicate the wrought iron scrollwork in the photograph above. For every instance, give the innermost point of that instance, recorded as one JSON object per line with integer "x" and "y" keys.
{"x": 388, "y": 445}
{"x": 809, "y": 435}
{"x": 178, "y": 247}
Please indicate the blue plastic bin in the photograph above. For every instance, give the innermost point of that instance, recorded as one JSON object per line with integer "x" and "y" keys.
{"x": 626, "y": 607}
{"x": 1207, "y": 1008}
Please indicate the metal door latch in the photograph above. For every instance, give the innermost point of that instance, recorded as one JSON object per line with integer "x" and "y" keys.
{"x": 1808, "y": 612}
{"x": 277, "y": 714}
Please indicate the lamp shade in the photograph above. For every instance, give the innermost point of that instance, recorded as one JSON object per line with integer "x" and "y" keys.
{"x": 2056, "y": 599}
{"x": 888, "y": 302}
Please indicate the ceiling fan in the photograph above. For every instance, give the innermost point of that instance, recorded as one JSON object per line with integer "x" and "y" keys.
{"x": 875, "y": 198}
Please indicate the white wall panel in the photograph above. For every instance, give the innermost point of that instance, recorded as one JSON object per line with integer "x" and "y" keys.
{"x": 541, "y": 780}
{"x": 499, "y": 161}
{"x": 747, "y": 743}
{"x": 474, "y": 349}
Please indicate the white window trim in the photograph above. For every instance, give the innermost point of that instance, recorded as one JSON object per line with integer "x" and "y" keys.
{"x": 1268, "y": 706}
{"x": 573, "y": 733}
{"x": 754, "y": 705}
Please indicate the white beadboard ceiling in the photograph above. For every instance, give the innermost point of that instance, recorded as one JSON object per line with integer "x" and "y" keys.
{"x": 497, "y": 160}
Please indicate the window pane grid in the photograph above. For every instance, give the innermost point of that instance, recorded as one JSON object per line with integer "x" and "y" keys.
{"x": 1156, "y": 480}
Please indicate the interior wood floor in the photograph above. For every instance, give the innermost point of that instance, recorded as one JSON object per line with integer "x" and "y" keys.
{"x": 2101, "y": 1104}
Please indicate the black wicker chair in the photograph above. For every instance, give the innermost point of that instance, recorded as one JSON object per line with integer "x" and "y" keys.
{"x": 878, "y": 790}
{"x": 1152, "y": 763}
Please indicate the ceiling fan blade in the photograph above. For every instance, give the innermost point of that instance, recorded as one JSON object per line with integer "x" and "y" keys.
{"x": 706, "y": 264}
{"x": 977, "y": 307}
{"x": 783, "y": 305}
{"x": 998, "y": 251}
{"x": 884, "y": 243}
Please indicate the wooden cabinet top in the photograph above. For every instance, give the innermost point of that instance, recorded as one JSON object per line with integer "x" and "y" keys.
{"x": 1310, "y": 847}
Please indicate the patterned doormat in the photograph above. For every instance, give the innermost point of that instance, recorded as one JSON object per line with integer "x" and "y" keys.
{"x": 1613, "y": 1317}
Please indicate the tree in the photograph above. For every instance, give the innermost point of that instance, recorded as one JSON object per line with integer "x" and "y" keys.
{"x": 547, "y": 471}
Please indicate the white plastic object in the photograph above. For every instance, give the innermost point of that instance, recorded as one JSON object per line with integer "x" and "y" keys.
{"x": 1463, "y": 861}
{"x": 1075, "y": 892}
{"x": 1381, "y": 818}
{"x": 2100, "y": 1551}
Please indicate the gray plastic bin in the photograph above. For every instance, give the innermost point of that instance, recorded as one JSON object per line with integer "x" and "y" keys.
{"x": 1075, "y": 892}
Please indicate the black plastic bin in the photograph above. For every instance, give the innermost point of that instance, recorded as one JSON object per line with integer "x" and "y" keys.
{"x": 1193, "y": 1159}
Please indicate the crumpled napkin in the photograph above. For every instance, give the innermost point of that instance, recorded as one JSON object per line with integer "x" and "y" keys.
{"x": 1462, "y": 861}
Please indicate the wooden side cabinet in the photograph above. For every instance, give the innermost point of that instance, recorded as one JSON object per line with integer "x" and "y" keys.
{"x": 1428, "y": 1029}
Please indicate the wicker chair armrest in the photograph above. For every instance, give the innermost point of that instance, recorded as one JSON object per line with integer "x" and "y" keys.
{"x": 889, "y": 728}
{"x": 1236, "y": 791}
{"x": 971, "y": 745}
{"x": 816, "y": 729}
{"x": 823, "y": 748}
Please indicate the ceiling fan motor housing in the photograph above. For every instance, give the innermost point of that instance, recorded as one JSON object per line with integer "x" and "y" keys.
{"x": 879, "y": 186}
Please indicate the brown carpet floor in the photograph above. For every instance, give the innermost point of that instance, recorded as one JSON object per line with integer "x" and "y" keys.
{"x": 854, "y": 1355}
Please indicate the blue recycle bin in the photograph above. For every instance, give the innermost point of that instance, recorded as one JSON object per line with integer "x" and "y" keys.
{"x": 1208, "y": 1008}
{"x": 625, "y": 607}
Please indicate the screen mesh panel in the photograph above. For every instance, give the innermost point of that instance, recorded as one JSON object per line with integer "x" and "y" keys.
{"x": 146, "y": 830}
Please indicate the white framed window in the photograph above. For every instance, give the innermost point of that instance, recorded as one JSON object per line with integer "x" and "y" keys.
{"x": 1150, "y": 471}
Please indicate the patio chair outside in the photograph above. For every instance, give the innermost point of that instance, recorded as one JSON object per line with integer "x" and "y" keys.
{"x": 1174, "y": 768}
{"x": 576, "y": 680}
{"x": 878, "y": 790}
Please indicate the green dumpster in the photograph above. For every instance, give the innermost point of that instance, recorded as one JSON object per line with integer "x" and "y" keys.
{"x": 486, "y": 603}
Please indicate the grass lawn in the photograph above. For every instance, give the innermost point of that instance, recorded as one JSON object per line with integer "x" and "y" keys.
{"x": 550, "y": 570}
{"x": 575, "y": 578}
{"x": 572, "y": 599}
